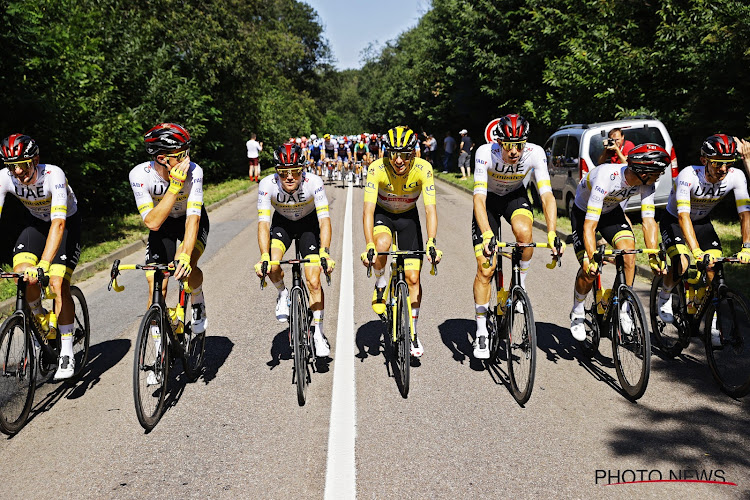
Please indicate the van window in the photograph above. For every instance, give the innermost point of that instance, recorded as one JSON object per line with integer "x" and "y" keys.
{"x": 558, "y": 151}
{"x": 637, "y": 135}
{"x": 572, "y": 151}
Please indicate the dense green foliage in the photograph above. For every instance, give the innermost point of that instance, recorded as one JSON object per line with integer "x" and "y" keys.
{"x": 686, "y": 62}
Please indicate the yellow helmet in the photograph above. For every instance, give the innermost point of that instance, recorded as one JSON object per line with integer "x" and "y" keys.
{"x": 400, "y": 139}
{"x": 327, "y": 136}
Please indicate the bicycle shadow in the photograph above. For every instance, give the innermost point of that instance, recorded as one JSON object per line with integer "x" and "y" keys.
{"x": 368, "y": 340}
{"x": 280, "y": 349}
{"x": 218, "y": 350}
{"x": 458, "y": 335}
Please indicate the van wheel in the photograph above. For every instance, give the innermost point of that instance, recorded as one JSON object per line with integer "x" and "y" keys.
{"x": 569, "y": 204}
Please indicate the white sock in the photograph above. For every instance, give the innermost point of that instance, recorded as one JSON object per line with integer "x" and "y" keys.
{"x": 481, "y": 316}
{"x": 578, "y": 300}
{"x": 196, "y": 296}
{"x": 36, "y": 306}
{"x": 66, "y": 340}
{"x": 524, "y": 268}
{"x": 665, "y": 294}
{"x": 280, "y": 286}
{"x": 414, "y": 318}
{"x": 156, "y": 336}
{"x": 318, "y": 321}
{"x": 380, "y": 280}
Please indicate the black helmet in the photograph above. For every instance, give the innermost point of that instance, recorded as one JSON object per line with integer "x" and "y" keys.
{"x": 400, "y": 139}
{"x": 512, "y": 128}
{"x": 648, "y": 158}
{"x": 288, "y": 155}
{"x": 719, "y": 147}
{"x": 17, "y": 147}
{"x": 166, "y": 137}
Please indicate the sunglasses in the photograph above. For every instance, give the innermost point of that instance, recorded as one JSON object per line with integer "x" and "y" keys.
{"x": 179, "y": 156}
{"x": 22, "y": 164}
{"x": 404, "y": 155}
{"x": 519, "y": 145}
{"x": 721, "y": 163}
{"x": 284, "y": 172}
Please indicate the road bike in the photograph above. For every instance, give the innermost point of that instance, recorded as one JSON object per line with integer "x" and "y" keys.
{"x": 346, "y": 171}
{"x": 164, "y": 335}
{"x": 618, "y": 314}
{"x": 397, "y": 317}
{"x": 300, "y": 322}
{"x": 358, "y": 174}
{"x": 716, "y": 307}
{"x": 26, "y": 348}
{"x": 511, "y": 318}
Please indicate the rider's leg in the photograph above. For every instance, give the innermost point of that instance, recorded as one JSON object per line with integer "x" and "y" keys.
{"x": 522, "y": 223}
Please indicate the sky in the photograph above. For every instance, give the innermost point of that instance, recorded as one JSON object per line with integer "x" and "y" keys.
{"x": 351, "y": 26}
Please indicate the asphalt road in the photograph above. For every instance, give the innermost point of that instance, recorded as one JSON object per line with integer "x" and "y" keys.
{"x": 239, "y": 432}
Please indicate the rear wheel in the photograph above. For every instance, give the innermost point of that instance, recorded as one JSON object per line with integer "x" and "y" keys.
{"x": 297, "y": 331}
{"x": 493, "y": 325}
{"x": 729, "y": 361}
{"x": 150, "y": 369}
{"x": 592, "y": 323}
{"x": 631, "y": 345}
{"x": 403, "y": 338}
{"x": 16, "y": 375}
{"x": 667, "y": 336}
{"x": 521, "y": 346}
{"x": 81, "y": 333}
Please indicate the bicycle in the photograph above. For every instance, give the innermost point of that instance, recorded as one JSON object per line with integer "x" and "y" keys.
{"x": 300, "y": 322}
{"x": 358, "y": 174}
{"x": 25, "y": 348}
{"x": 520, "y": 343}
{"x": 718, "y": 307}
{"x": 165, "y": 334}
{"x": 345, "y": 171}
{"x": 620, "y": 317}
{"x": 397, "y": 317}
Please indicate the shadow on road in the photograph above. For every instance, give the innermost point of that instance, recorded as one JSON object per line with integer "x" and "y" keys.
{"x": 369, "y": 339}
{"x": 280, "y": 348}
{"x": 217, "y": 352}
{"x": 458, "y": 335}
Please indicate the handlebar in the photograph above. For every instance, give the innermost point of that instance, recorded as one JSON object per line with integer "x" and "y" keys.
{"x": 496, "y": 245}
{"x": 43, "y": 279}
{"x": 167, "y": 269}
{"x": 371, "y": 254}
{"x": 264, "y": 268}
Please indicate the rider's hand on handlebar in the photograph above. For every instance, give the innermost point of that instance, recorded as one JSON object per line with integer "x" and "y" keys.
{"x": 744, "y": 255}
{"x": 259, "y": 266}
{"x": 699, "y": 255}
{"x": 590, "y": 267}
{"x": 365, "y": 255}
{"x": 438, "y": 253}
{"x": 330, "y": 263}
{"x": 183, "y": 268}
{"x": 554, "y": 242}
{"x": 486, "y": 238}
{"x": 658, "y": 266}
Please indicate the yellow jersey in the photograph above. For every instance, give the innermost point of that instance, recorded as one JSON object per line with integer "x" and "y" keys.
{"x": 399, "y": 193}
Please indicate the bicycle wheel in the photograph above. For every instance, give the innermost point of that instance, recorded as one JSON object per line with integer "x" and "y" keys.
{"x": 667, "y": 336}
{"x": 403, "y": 337}
{"x": 729, "y": 362}
{"x": 493, "y": 324}
{"x": 82, "y": 332}
{"x": 631, "y": 345}
{"x": 17, "y": 376}
{"x": 297, "y": 332}
{"x": 591, "y": 322}
{"x": 151, "y": 369}
{"x": 195, "y": 349}
{"x": 521, "y": 346}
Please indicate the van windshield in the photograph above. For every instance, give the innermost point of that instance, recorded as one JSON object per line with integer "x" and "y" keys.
{"x": 637, "y": 136}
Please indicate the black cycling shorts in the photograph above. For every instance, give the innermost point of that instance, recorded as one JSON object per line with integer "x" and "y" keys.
{"x": 674, "y": 239}
{"x": 404, "y": 226}
{"x": 162, "y": 244}
{"x": 612, "y": 226}
{"x": 501, "y": 206}
{"x": 33, "y": 239}
{"x": 306, "y": 231}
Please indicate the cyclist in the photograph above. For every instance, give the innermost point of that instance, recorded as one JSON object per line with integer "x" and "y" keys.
{"x": 329, "y": 155}
{"x": 51, "y": 239}
{"x": 344, "y": 156}
{"x": 499, "y": 170}
{"x": 315, "y": 152}
{"x": 301, "y": 214}
{"x": 394, "y": 183}
{"x": 168, "y": 191}
{"x": 686, "y": 226}
{"x": 597, "y": 207}
{"x": 374, "y": 148}
{"x": 361, "y": 153}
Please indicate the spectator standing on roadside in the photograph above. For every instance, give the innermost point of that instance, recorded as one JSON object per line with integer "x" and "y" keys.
{"x": 426, "y": 147}
{"x": 253, "y": 151}
{"x": 433, "y": 148}
{"x": 616, "y": 148}
{"x": 464, "y": 157}
{"x": 449, "y": 146}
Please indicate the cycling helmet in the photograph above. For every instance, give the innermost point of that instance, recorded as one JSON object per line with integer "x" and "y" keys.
{"x": 166, "y": 137}
{"x": 719, "y": 147}
{"x": 374, "y": 137}
{"x": 288, "y": 156}
{"x": 400, "y": 139}
{"x": 313, "y": 137}
{"x": 298, "y": 141}
{"x": 512, "y": 128}
{"x": 17, "y": 147}
{"x": 648, "y": 158}
{"x": 327, "y": 136}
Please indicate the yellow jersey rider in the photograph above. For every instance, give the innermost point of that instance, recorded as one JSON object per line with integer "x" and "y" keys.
{"x": 394, "y": 183}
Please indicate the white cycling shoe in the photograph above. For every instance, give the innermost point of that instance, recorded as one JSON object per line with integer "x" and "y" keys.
{"x": 65, "y": 367}
{"x": 577, "y": 326}
{"x": 626, "y": 322}
{"x": 282, "y": 306}
{"x": 416, "y": 349}
{"x": 200, "y": 321}
{"x": 482, "y": 347}
{"x": 322, "y": 348}
{"x": 715, "y": 333}
{"x": 664, "y": 307}
{"x": 151, "y": 379}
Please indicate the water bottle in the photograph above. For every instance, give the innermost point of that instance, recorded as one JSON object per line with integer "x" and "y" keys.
{"x": 176, "y": 320}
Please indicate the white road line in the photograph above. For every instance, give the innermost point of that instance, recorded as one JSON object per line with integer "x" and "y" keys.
{"x": 340, "y": 474}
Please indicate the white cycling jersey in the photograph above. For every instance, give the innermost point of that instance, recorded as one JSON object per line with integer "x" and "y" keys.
{"x": 310, "y": 194}
{"x": 605, "y": 187}
{"x": 50, "y": 197}
{"x": 692, "y": 193}
{"x": 492, "y": 174}
{"x": 149, "y": 188}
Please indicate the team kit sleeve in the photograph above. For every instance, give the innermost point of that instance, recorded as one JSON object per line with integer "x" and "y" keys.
{"x": 741, "y": 198}
{"x": 195, "y": 196}
{"x": 598, "y": 193}
{"x": 373, "y": 182}
{"x": 321, "y": 200}
{"x": 428, "y": 183}
{"x": 683, "y": 188}
{"x": 541, "y": 174}
{"x": 482, "y": 162}
{"x": 57, "y": 186}
{"x": 3, "y": 190}
{"x": 264, "y": 199}
{"x": 138, "y": 183}
{"x": 648, "y": 209}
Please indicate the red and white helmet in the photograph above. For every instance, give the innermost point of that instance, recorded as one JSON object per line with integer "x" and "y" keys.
{"x": 18, "y": 147}
{"x": 166, "y": 137}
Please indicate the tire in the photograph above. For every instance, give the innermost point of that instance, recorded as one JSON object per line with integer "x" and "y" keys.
{"x": 631, "y": 351}
{"x": 149, "y": 399}
{"x": 667, "y": 336}
{"x": 493, "y": 323}
{"x": 730, "y": 363}
{"x": 81, "y": 334}
{"x": 521, "y": 346}
{"x": 403, "y": 338}
{"x": 195, "y": 349}
{"x": 297, "y": 332}
{"x": 592, "y": 322}
{"x": 17, "y": 384}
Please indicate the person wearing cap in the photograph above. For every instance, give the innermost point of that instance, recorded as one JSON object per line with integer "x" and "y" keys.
{"x": 464, "y": 157}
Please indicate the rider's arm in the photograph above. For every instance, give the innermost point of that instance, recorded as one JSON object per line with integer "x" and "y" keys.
{"x": 482, "y": 161}
{"x": 57, "y": 186}
{"x": 264, "y": 214}
{"x": 321, "y": 209}
{"x": 325, "y": 232}
{"x": 191, "y": 233}
{"x": 650, "y": 232}
{"x": 264, "y": 237}
{"x": 683, "y": 186}
{"x": 194, "y": 208}
{"x": 544, "y": 188}
{"x": 155, "y": 218}
{"x": 593, "y": 211}
{"x": 589, "y": 237}
{"x": 371, "y": 196}
{"x": 745, "y": 226}
{"x": 687, "y": 230}
{"x": 430, "y": 212}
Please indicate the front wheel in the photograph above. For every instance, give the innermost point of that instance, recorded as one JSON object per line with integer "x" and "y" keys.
{"x": 493, "y": 325}
{"x": 82, "y": 332}
{"x": 728, "y": 326}
{"x": 151, "y": 369}
{"x": 17, "y": 375}
{"x": 631, "y": 344}
{"x": 403, "y": 338}
{"x": 298, "y": 331}
{"x": 521, "y": 345}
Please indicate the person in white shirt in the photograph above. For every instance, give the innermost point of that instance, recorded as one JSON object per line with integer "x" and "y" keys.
{"x": 253, "y": 151}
